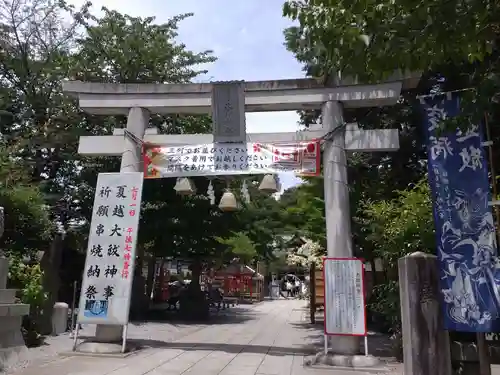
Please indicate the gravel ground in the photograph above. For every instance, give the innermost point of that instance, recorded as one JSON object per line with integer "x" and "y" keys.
{"x": 54, "y": 345}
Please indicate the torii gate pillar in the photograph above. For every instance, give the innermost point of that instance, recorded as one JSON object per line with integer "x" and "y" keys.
{"x": 337, "y": 210}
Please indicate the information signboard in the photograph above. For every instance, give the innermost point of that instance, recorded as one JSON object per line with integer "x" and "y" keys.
{"x": 345, "y": 312}
{"x": 110, "y": 261}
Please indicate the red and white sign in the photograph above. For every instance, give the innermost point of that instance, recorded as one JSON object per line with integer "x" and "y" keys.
{"x": 345, "y": 311}
{"x": 303, "y": 158}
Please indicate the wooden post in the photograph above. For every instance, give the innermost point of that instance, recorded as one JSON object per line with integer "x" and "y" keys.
{"x": 482, "y": 344}
{"x": 483, "y": 354}
{"x": 312, "y": 293}
{"x": 426, "y": 345}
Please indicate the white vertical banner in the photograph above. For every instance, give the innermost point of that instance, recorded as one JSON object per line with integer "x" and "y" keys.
{"x": 345, "y": 312}
{"x": 110, "y": 261}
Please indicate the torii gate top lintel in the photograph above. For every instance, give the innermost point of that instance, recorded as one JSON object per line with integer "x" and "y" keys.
{"x": 274, "y": 95}
{"x": 260, "y": 96}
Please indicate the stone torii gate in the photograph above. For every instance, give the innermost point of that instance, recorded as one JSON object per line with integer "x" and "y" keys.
{"x": 228, "y": 102}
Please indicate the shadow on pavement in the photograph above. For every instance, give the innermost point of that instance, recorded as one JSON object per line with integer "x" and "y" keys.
{"x": 379, "y": 344}
{"x": 228, "y": 348}
{"x": 230, "y": 316}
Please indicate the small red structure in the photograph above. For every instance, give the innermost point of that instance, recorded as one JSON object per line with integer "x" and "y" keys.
{"x": 240, "y": 281}
{"x": 162, "y": 279}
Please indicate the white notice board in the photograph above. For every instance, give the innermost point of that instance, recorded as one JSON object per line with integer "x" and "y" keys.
{"x": 110, "y": 261}
{"x": 345, "y": 312}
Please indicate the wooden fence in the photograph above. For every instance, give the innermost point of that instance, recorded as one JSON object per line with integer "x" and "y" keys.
{"x": 316, "y": 292}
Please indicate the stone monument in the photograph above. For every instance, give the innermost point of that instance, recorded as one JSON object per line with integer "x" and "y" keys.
{"x": 12, "y": 346}
{"x": 426, "y": 345}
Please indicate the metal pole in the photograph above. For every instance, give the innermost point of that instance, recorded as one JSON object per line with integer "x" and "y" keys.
{"x": 124, "y": 342}
{"x": 76, "y": 337}
{"x": 73, "y": 305}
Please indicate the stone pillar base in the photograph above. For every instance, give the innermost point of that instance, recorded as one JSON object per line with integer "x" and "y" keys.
{"x": 13, "y": 350}
{"x": 108, "y": 340}
{"x": 92, "y": 347}
{"x": 346, "y": 361}
{"x": 105, "y": 333}
{"x": 12, "y": 356}
{"x": 344, "y": 345}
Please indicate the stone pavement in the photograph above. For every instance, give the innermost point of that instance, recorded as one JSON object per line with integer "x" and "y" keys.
{"x": 269, "y": 338}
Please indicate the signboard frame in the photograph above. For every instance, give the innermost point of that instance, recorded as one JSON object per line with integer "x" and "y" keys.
{"x": 326, "y": 299}
{"x": 119, "y": 302}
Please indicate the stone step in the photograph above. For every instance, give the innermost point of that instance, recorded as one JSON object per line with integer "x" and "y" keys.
{"x": 7, "y": 295}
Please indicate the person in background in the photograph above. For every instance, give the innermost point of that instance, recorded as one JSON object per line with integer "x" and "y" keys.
{"x": 282, "y": 287}
{"x": 289, "y": 288}
{"x": 297, "y": 287}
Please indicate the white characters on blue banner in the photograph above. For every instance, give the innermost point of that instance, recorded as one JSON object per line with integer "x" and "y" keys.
{"x": 472, "y": 157}
{"x": 440, "y": 147}
{"x": 465, "y": 231}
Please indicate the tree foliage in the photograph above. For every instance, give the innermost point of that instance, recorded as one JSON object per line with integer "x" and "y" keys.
{"x": 45, "y": 43}
{"x": 402, "y": 225}
{"x": 396, "y": 228}
{"x": 304, "y": 210}
{"x": 310, "y": 253}
{"x": 379, "y": 37}
{"x": 27, "y": 227}
{"x": 455, "y": 47}
{"x": 239, "y": 245}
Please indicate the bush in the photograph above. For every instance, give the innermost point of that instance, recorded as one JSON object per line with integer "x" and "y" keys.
{"x": 385, "y": 304}
{"x": 27, "y": 278}
{"x": 397, "y": 228}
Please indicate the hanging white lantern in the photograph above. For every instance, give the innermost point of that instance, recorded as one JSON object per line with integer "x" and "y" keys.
{"x": 228, "y": 202}
{"x": 269, "y": 184}
{"x": 184, "y": 186}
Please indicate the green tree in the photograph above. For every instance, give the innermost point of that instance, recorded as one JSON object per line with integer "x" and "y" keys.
{"x": 28, "y": 227}
{"x": 366, "y": 37}
{"x": 144, "y": 52}
{"x": 398, "y": 227}
{"x": 37, "y": 40}
{"x": 402, "y": 225}
{"x": 122, "y": 49}
{"x": 260, "y": 220}
{"x": 35, "y": 118}
{"x": 240, "y": 246}
{"x": 304, "y": 210}
{"x": 454, "y": 45}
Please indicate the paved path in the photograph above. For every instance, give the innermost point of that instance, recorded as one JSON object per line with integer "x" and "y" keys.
{"x": 263, "y": 339}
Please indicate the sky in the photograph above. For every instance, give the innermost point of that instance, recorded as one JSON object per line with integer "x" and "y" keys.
{"x": 246, "y": 37}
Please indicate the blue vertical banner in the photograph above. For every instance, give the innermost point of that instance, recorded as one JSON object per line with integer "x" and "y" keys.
{"x": 465, "y": 231}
